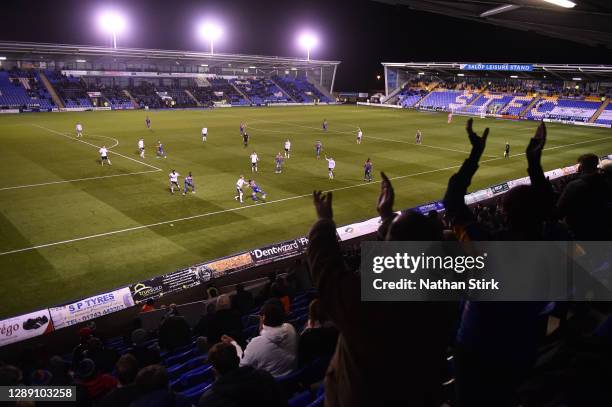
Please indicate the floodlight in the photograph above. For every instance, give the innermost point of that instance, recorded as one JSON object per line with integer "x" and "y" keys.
{"x": 210, "y": 31}
{"x": 2, "y": 58}
{"x": 308, "y": 41}
{"x": 113, "y": 23}
{"x": 561, "y": 3}
{"x": 577, "y": 79}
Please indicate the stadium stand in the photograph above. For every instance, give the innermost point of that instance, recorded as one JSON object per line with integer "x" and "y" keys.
{"x": 516, "y": 105}
{"x": 70, "y": 89}
{"x": 261, "y": 90}
{"x": 300, "y": 89}
{"x": 447, "y": 100}
{"x": 21, "y": 89}
{"x": 487, "y": 103}
{"x": 606, "y": 116}
{"x": 146, "y": 95}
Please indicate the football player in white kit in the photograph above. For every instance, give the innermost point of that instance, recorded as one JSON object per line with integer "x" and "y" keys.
{"x": 79, "y": 130}
{"x": 359, "y": 135}
{"x": 239, "y": 184}
{"x": 141, "y": 147}
{"x": 331, "y": 165}
{"x": 174, "y": 181}
{"x": 287, "y": 149}
{"x": 104, "y": 156}
{"x": 204, "y": 133}
{"x": 254, "y": 160}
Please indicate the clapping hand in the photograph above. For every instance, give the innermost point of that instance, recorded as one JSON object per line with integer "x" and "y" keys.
{"x": 386, "y": 197}
{"x": 478, "y": 143}
{"x": 323, "y": 204}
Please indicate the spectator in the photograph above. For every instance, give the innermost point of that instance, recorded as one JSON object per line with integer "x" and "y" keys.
{"x": 225, "y": 321}
{"x": 59, "y": 370}
{"x": 239, "y": 386}
{"x": 174, "y": 332}
{"x": 585, "y": 203}
{"x": 153, "y": 386}
{"x": 104, "y": 358}
{"x": 319, "y": 338}
{"x": 148, "y": 306}
{"x": 77, "y": 354}
{"x": 212, "y": 291}
{"x": 126, "y": 391}
{"x": 96, "y": 384}
{"x": 144, "y": 355}
{"x": 362, "y": 372}
{"x": 202, "y": 345}
{"x": 278, "y": 291}
{"x": 242, "y": 301}
{"x": 10, "y": 375}
{"x": 275, "y": 350}
{"x": 201, "y": 328}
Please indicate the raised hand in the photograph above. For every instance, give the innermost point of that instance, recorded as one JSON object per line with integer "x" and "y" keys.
{"x": 536, "y": 145}
{"x": 478, "y": 143}
{"x": 323, "y": 204}
{"x": 386, "y": 197}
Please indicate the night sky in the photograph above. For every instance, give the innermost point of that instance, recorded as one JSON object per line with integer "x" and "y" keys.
{"x": 359, "y": 33}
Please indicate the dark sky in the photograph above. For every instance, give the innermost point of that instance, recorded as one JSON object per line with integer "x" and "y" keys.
{"x": 359, "y": 33}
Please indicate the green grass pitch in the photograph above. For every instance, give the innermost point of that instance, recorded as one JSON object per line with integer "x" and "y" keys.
{"x": 72, "y": 228}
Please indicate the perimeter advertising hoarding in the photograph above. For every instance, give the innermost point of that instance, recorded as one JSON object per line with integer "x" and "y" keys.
{"x": 24, "y": 327}
{"x": 279, "y": 251}
{"x": 90, "y": 308}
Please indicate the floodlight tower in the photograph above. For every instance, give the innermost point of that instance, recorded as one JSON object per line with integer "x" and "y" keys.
{"x": 308, "y": 41}
{"x": 113, "y": 23}
{"x": 211, "y": 31}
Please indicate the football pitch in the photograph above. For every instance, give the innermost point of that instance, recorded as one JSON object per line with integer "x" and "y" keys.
{"x": 71, "y": 228}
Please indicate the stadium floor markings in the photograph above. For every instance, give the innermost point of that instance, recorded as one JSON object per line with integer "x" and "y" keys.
{"x": 93, "y": 145}
{"x": 371, "y": 137}
{"x": 75, "y": 180}
{"x": 202, "y": 215}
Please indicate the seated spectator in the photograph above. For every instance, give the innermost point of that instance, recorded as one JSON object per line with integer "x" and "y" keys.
{"x": 126, "y": 391}
{"x": 144, "y": 355}
{"x": 59, "y": 369}
{"x": 275, "y": 350}
{"x": 212, "y": 291}
{"x": 103, "y": 357}
{"x": 237, "y": 386}
{"x": 95, "y": 383}
{"x": 225, "y": 321}
{"x": 153, "y": 386}
{"x": 77, "y": 354}
{"x": 201, "y": 328}
{"x": 242, "y": 301}
{"x": 319, "y": 338}
{"x": 202, "y": 345}
{"x": 148, "y": 306}
{"x": 278, "y": 292}
{"x": 10, "y": 375}
{"x": 174, "y": 332}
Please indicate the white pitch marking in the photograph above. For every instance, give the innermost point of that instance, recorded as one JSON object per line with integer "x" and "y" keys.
{"x": 374, "y": 137}
{"x": 93, "y": 145}
{"x": 115, "y": 232}
{"x": 74, "y": 180}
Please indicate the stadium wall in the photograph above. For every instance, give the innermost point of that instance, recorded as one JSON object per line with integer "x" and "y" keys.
{"x": 117, "y": 308}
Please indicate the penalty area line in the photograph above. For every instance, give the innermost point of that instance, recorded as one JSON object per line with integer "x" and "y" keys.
{"x": 93, "y": 145}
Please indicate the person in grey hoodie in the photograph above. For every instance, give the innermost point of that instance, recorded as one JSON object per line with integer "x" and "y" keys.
{"x": 275, "y": 350}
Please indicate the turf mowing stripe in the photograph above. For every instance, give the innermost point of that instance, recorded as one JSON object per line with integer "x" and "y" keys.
{"x": 202, "y": 215}
{"x": 75, "y": 180}
{"x": 370, "y": 137}
{"x": 93, "y": 145}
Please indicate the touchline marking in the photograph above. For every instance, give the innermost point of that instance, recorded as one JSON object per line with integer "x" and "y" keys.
{"x": 93, "y": 145}
{"x": 75, "y": 180}
{"x": 202, "y": 215}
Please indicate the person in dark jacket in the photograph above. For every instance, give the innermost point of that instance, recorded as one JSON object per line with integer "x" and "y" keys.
{"x": 319, "y": 338}
{"x": 153, "y": 386}
{"x": 225, "y": 321}
{"x": 126, "y": 391}
{"x": 242, "y": 301}
{"x": 239, "y": 386}
{"x": 143, "y": 354}
{"x": 174, "y": 332}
